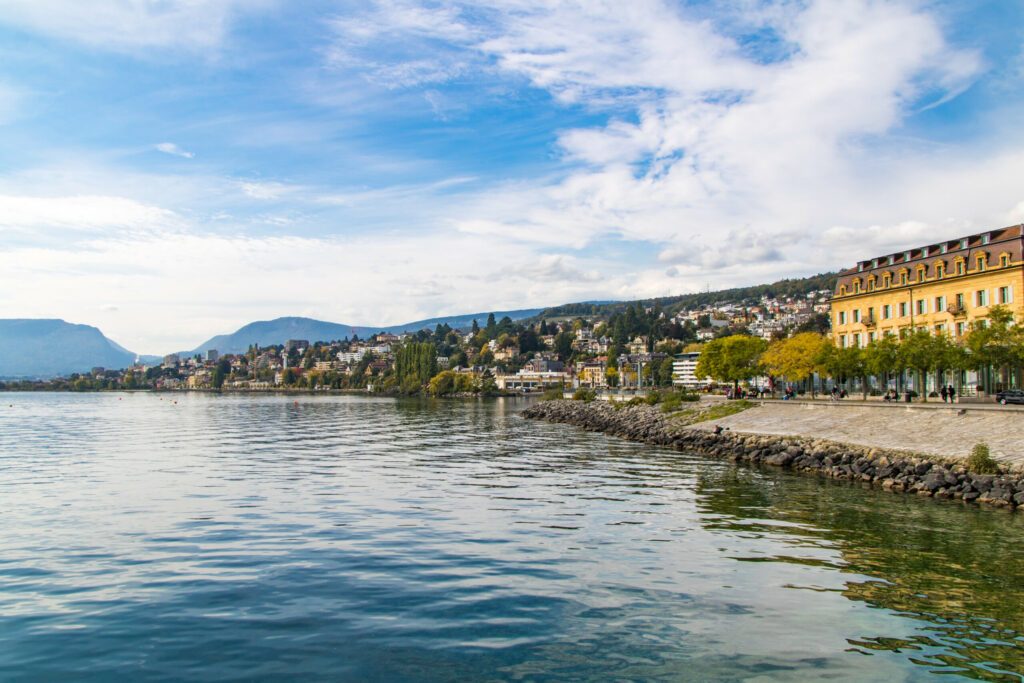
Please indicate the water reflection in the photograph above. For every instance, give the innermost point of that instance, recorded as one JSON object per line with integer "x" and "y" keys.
{"x": 353, "y": 538}
{"x": 958, "y": 571}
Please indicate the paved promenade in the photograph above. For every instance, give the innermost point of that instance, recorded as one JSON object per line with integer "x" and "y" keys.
{"x": 935, "y": 428}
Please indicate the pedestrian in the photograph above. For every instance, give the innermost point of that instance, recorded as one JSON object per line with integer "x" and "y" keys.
{"x": 945, "y": 394}
{"x": 951, "y": 392}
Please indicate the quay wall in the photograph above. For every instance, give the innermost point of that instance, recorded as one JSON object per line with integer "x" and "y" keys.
{"x": 894, "y": 470}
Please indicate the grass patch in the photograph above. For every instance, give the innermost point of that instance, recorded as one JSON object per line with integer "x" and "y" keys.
{"x": 692, "y": 416}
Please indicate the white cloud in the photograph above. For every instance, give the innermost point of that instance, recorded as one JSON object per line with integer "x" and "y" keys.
{"x": 81, "y": 213}
{"x": 128, "y": 24}
{"x": 174, "y": 150}
{"x": 716, "y": 152}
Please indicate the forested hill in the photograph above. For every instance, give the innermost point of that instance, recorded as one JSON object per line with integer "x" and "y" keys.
{"x": 672, "y": 304}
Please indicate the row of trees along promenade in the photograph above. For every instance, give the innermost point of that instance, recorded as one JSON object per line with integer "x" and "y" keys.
{"x": 994, "y": 349}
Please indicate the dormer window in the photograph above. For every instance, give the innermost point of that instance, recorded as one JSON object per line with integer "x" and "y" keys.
{"x": 887, "y": 280}
{"x": 921, "y": 271}
{"x": 892, "y": 260}
{"x": 1004, "y": 260}
{"x": 907, "y": 255}
{"x": 860, "y": 267}
{"x": 945, "y": 248}
{"x": 981, "y": 261}
{"x": 960, "y": 267}
{"x": 842, "y": 290}
{"x": 856, "y": 286}
{"x": 985, "y": 238}
{"x": 963, "y": 243}
{"x": 903, "y": 278}
{"x": 940, "y": 270}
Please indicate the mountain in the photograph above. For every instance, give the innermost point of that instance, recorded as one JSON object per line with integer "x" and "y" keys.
{"x": 280, "y": 330}
{"x": 42, "y": 348}
{"x": 673, "y": 304}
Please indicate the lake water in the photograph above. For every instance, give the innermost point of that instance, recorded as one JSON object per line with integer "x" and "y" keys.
{"x": 196, "y": 537}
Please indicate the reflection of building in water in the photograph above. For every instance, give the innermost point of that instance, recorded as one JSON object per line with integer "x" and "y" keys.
{"x": 956, "y": 571}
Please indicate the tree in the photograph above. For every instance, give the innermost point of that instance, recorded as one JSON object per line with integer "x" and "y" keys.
{"x": 997, "y": 343}
{"x": 843, "y": 363}
{"x": 882, "y": 357}
{"x": 220, "y": 373}
{"x": 415, "y": 364}
{"x": 731, "y": 359}
{"x": 563, "y": 345}
{"x": 924, "y": 352}
{"x": 798, "y": 357}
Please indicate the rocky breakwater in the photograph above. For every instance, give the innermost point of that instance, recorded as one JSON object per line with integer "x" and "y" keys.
{"x": 898, "y": 471}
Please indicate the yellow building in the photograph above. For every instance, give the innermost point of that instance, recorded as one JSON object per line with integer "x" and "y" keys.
{"x": 943, "y": 288}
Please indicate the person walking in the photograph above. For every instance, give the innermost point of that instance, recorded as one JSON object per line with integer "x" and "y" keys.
{"x": 951, "y": 392}
{"x": 945, "y": 394}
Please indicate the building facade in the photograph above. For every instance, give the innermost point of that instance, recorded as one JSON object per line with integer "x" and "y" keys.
{"x": 684, "y": 367}
{"x": 943, "y": 288}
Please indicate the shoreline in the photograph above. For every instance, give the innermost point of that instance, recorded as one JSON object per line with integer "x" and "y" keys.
{"x": 890, "y": 469}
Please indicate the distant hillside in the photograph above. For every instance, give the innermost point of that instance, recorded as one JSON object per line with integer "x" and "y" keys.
{"x": 280, "y": 330}
{"x": 672, "y": 304}
{"x": 43, "y": 348}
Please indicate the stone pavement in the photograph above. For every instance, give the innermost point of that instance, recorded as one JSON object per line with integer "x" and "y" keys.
{"x": 935, "y": 428}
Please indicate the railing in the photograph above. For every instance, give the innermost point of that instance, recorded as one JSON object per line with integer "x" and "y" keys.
{"x": 956, "y": 311}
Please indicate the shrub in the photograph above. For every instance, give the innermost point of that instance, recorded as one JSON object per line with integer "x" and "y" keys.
{"x": 552, "y": 394}
{"x": 981, "y": 461}
{"x": 653, "y": 398}
{"x": 585, "y": 395}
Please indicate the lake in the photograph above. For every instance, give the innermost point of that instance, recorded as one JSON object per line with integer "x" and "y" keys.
{"x": 265, "y": 537}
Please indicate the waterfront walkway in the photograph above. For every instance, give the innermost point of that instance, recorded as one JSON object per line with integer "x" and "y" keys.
{"x": 948, "y": 430}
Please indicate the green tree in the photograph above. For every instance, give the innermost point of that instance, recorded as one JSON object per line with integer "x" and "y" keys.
{"x": 843, "y": 363}
{"x": 220, "y": 373}
{"x": 731, "y": 359}
{"x": 996, "y": 343}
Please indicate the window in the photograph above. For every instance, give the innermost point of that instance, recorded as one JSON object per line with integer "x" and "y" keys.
{"x": 981, "y": 262}
{"x": 860, "y": 267}
{"x": 842, "y": 341}
{"x": 856, "y": 340}
{"x": 963, "y": 243}
{"x": 981, "y": 297}
{"x": 842, "y": 290}
{"x": 940, "y": 270}
{"x": 903, "y": 309}
{"x": 842, "y": 317}
{"x": 887, "y": 311}
{"x": 1005, "y": 295}
{"x": 921, "y": 271}
{"x": 922, "y": 306}
{"x": 892, "y": 260}
{"x": 903, "y": 278}
{"x": 945, "y": 248}
{"x": 940, "y": 329}
{"x": 871, "y": 314}
{"x": 856, "y": 286}
{"x": 959, "y": 267}
{"x": 1004, "y": 260}
{"x": 856, "y": 315}
{"x": 940, "y": 304}
{"x": 961, "y": 328}
{"x": 906, "y": 256}
{"x": 871, "y": 284}
{"x": 887, "y": 281}
{"x": 985, "y": 239}
{"x": 871, "y": 337}
{"x": 960, "y": 301}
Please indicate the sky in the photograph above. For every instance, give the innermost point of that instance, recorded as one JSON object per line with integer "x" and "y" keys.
{"x": 174, "y": 169}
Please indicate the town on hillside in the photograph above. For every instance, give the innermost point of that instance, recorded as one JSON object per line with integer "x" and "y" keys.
{"x": 934, "y": 321}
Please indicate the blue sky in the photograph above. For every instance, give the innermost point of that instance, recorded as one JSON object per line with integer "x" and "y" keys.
{"x": 171, "y": 170}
